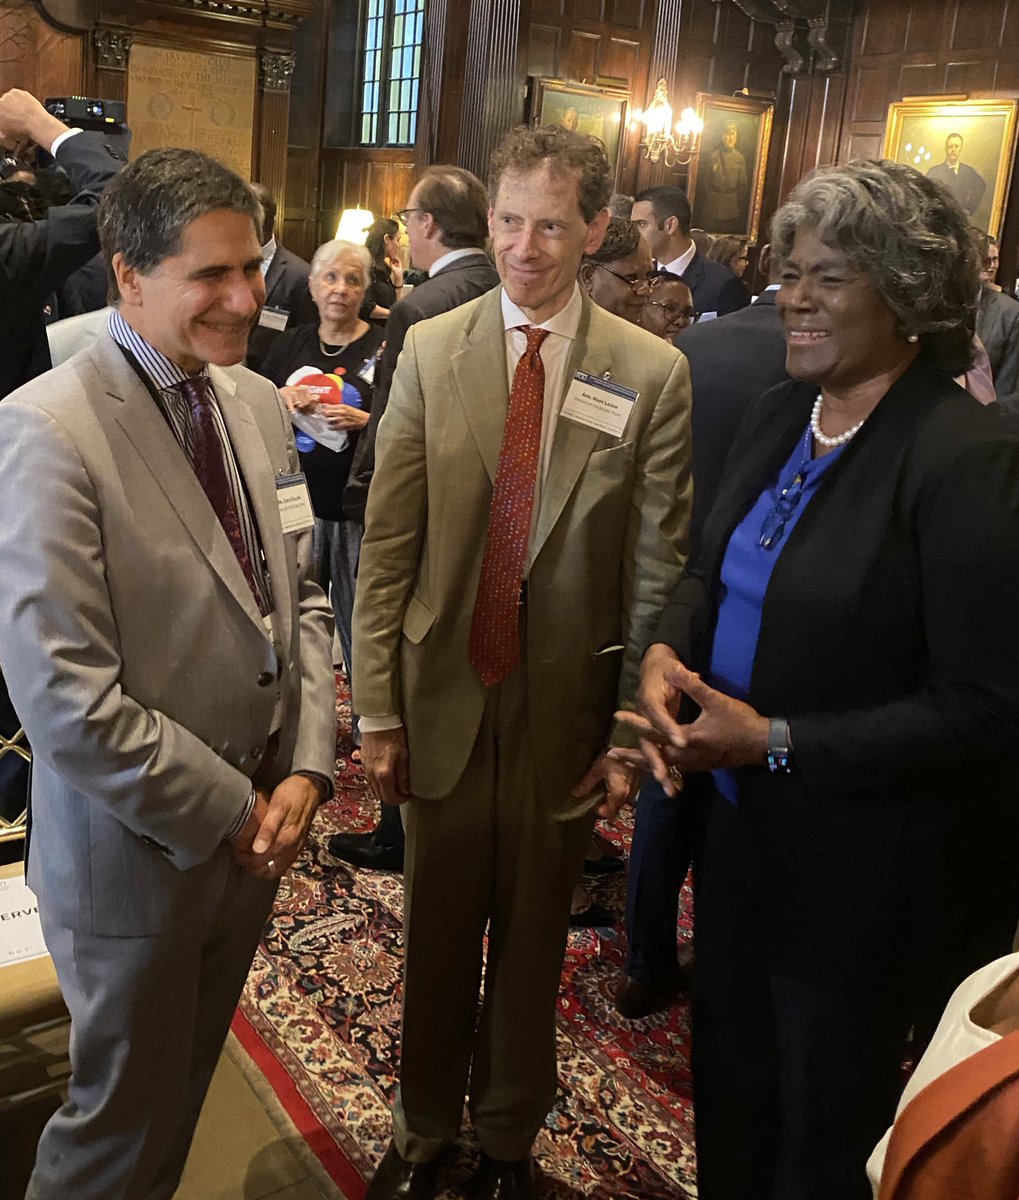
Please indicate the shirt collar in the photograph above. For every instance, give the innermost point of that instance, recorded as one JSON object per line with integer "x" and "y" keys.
{"x": 268, "y": 254}
{"x": 565, "y": 322}
{"x": 679, "y": 265}
{"x": 162, "y": 372}
{"x": 451, "y": 256}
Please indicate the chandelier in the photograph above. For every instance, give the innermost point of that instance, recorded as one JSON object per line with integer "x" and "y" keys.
{"x": 678, "y": 144}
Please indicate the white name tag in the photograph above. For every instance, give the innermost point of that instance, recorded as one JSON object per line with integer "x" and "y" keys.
{"x": 599, "y": 403}
{"x": 367, "y": 371}
{"x": 294, "y": 500}
{"x": 273, "y": 318}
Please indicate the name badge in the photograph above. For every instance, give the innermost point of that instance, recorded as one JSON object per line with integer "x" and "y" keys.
{"x": 367, "y": 371}
{"x": 599, "y": 403}
{"x": 273, "y": 318}
{"x": 294, "y": 500}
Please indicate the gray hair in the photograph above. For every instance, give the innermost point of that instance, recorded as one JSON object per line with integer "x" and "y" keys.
{"x": 908, "y": 235}
{"x": 146, "y": 208}
{"x": 329, "y": 252}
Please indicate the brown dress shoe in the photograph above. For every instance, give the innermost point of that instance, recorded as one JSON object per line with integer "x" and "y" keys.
{"x": 636, "y": 998}
{"x": 498, "y": 1179}
{"x": 398, "y": 1179}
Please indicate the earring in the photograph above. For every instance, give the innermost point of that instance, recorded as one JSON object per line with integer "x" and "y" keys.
{"x": 913, "y": 338}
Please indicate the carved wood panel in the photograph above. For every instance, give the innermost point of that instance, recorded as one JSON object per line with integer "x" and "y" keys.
{"x": 35, "y": 56}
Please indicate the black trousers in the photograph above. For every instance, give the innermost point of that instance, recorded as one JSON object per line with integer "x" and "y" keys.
{"x": 795, "y": 1079}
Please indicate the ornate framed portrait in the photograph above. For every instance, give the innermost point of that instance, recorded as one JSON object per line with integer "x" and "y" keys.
{"x": 600, "y": 112}
{"x": 968, "y": 145}
{"x": 727, "y": 176}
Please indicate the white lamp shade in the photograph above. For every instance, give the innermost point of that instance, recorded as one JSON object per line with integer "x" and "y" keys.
{"x": 354, "y": 225}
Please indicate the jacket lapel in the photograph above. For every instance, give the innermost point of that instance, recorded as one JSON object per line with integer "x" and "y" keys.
{"x": 478, "y": 373}
{"x": 260, "y": 481}
{"x": 572, "y": 442}
{"x": 273, "y": 275}
{"x": 139, "y": 416}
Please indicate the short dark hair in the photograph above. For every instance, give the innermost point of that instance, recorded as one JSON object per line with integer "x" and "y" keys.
{"x": 268, "y": 202}
{"x": 456, "y": 200}
{"x": 952, "y": 135}
{"x": 622, "y": 237}
{"x": 146, "y": 208}
{"x": 667, "y": 202}
{"x": 375, "y": 241}
{"x": 527, "y": 147}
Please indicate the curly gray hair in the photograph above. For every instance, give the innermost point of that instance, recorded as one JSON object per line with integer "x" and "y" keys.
{"x": 908, "y": 235}
{"x": 331, "y": 252}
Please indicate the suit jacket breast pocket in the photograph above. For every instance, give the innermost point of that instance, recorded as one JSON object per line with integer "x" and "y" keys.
{"x": 615, "y": 460}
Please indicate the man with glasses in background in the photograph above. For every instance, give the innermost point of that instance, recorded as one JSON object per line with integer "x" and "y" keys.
{"x": 447, "y": 225}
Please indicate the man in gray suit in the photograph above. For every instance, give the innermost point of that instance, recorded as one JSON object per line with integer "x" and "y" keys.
{"x": 169, "y": 655}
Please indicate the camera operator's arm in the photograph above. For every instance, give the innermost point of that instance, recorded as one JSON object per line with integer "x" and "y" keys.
{"x": 36, "y": 258}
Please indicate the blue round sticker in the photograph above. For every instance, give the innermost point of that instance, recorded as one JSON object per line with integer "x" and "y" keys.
{"x": 305, "y": 442}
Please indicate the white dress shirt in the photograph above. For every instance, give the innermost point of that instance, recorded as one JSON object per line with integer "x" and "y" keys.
{"x": 555, "y": 356}
{"x": 679, "y": 265}
{"x": 451, "y": 256}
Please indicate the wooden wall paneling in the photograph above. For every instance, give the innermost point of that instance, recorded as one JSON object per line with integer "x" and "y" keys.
{"x": 543, "y": 50}
{"x": 493, "y": 87}
{"x": 628, "y": 14}
{"x": 580, "y": 55}
{"x": 589, "y": 10}
{"x": 619, "y": 58}
{"x": 1010, "y": 27}
{"x": 930, "y": 24}
{"x": 36, "y": 56}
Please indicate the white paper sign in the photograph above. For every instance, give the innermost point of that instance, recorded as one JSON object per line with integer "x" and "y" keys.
{"x": 599, "y": 403}
{"x": 273, "y": 318}
{"x": 20, "y": 930}
{"x": 294, "y": 500}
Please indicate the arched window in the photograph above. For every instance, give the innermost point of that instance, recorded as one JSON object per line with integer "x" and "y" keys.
{"x": 391, "y": 75}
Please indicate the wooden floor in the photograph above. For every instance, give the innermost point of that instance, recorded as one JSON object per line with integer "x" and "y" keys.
{"x": 238, "y": 1153}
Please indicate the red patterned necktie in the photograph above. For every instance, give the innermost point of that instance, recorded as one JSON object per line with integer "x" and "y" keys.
{"x": 494, "y": 647}
{"x": 210, "y": 468}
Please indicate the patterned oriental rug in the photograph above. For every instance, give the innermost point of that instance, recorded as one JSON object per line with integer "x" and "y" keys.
{"x": 320, "y": 1019}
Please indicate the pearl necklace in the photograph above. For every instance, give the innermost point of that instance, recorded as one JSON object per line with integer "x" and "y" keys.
{"x": 822, "y": 438}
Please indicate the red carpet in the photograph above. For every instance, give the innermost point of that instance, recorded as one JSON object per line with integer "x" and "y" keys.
{"x": 320, "y": 1017}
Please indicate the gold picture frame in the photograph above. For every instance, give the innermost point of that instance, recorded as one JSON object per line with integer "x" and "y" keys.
{"x": 727, "y": 176}
{"x": 600, "y": 112}
{"x": 919, "y": 132}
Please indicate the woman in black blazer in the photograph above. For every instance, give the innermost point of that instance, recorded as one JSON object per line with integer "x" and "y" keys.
{"x": 853, "y": 723}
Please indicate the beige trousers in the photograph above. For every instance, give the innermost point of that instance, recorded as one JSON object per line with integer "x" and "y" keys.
{"x": 487, "y": 856}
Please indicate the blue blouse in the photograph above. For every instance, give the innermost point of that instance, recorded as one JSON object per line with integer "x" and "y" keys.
{"x": 750, "y": 558}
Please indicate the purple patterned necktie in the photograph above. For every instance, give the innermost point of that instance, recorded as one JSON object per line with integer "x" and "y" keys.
{"x": 210, "y": 468}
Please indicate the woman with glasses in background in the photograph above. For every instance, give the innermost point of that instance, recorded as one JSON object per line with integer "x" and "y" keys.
{"x": 731, "y": 252}
{"x": 617, "y": 275}
{"x": 836, "y": 680}
{"x": 668, "y": 306}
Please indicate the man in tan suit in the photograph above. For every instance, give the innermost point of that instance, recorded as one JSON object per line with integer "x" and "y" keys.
{"x": 169, "y": 654}
{"x": 523, "y": 527}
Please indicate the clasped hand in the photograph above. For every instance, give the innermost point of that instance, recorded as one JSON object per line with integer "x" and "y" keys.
{"x": 302, "y": 399}
{"x": 726, "y": 732}
{"x": 277, "y": 828}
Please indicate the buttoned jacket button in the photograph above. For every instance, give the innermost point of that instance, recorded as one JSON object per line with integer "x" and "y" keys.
{"x": 256, "y": 751}
{"x": 266, "y": 678}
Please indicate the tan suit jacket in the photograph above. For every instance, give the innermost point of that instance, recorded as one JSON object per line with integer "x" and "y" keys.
{"x": 609, "y": 544}
{"x": 134, "y": 652}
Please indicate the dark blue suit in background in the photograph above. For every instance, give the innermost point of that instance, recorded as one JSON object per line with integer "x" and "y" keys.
{"x": 732, "y": 361}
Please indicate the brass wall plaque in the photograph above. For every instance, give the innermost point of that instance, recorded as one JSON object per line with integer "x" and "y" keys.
{"x": 188, "y": 98}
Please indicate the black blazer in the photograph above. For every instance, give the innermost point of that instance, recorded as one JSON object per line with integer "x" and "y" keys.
{"x": 714, "y": 288}
{"x": 732, "y": 361}
{"x": 286, "y": 286}
{"x": 887, "y": 640}
{"x": 36, "y": 258}
{"x": 462, "y": 280}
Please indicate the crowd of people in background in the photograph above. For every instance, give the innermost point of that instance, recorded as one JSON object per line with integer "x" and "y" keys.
{"x": 595, "y": 523}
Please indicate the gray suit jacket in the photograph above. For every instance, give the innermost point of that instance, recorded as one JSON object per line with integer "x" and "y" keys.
{"x": 998, "y": 329}
{"x": 608, "y": 547}
{"x": 134, "y": 652}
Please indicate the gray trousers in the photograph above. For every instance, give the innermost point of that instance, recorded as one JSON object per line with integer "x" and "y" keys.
{"x": 149, "y": 1016}
{"x": 488, "y": 855}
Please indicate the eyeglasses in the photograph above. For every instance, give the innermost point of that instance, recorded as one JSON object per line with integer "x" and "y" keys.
{"x": 773, "y": 525}
{"x": 634, "y": 284}
{"x": 404, "y": 213}
{"x": 673, "y": 310}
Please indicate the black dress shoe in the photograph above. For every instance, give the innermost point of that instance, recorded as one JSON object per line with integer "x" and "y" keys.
{"x": 638, "y": 998}
{"x": 364, "y": 850}
{"x": 501, "y": 1180}
{"x": 398, "y": 1179}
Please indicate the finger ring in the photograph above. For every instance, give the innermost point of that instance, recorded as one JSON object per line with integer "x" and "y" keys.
{"x": 271, "y": 864}
{"x": 676, "y": 776}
